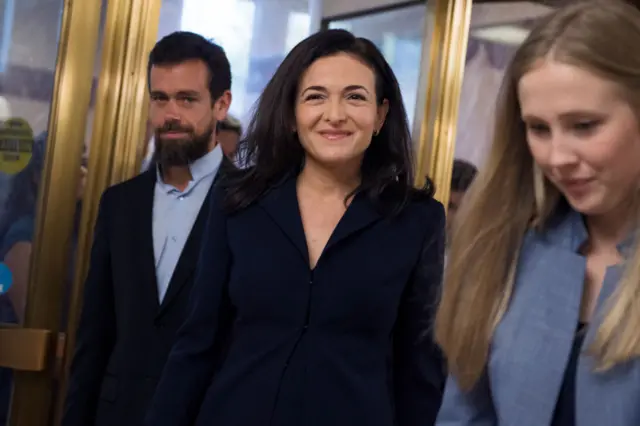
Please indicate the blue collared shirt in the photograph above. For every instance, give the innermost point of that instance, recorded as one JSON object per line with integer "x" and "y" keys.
{"x": 175, "y": 212}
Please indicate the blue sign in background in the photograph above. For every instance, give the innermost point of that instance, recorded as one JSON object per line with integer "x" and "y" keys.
{"x": 6, "y": 278}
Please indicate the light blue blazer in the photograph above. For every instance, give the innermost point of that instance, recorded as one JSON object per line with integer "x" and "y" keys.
{"x": 532, "y": 344}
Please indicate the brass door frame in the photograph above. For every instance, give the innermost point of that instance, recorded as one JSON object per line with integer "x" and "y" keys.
{"x": 30, "y": 349}
{"x": 117, "y": 138}
{"x": 446, "y": 52}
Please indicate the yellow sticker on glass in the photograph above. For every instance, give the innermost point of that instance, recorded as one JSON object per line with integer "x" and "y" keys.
{"x": 16, "y": 145}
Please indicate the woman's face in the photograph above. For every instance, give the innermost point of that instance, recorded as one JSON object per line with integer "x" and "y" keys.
{"x": 336, "y": 110}
{"x": 583, "y": 135}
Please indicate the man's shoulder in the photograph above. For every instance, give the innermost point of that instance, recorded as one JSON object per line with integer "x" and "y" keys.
{"x": 132, "y": 188}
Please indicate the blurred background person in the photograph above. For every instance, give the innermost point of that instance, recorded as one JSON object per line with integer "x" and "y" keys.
{"x": 17, "y": 233}
{"x": 229, "y": 133}
{"x": 462, "y": 177}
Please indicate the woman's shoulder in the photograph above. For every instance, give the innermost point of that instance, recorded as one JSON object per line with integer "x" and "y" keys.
{"x": 423, "y": 203}
{"x": 422, "y": 216}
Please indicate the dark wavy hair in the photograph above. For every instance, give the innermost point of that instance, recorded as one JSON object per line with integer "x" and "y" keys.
{"x": 273, "y": 151}
{"x": 462, "y": 175}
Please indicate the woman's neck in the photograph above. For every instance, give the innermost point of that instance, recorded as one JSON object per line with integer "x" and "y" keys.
{"x": 340, "y": 180}
{"x": 611, "y": 228}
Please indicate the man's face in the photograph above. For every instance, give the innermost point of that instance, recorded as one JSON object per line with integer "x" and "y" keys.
{"x": 182, "y": 113}
{"x": 455, "y": 199}
{"x": 228, "y": 140}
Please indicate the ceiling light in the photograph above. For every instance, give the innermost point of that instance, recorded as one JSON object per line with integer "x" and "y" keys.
{"x": 504, "y": 34}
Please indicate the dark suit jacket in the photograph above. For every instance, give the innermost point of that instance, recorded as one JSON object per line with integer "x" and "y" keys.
{"x": 125, "y": 336}
{"x": 347, "y": 344}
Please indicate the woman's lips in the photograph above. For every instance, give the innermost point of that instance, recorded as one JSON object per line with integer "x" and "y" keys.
{"x": 335, "y": 135}
{"x": 576, "y": 186}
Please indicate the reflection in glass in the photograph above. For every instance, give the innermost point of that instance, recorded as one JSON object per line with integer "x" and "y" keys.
{"x": 256, "y": 35}
{"x": 398, "y": 34}
{"x": 6, "y": 18}
{"x": 28, "y": 51}
{"x": 26, "y": 84}
{"x": 496, "y": 32}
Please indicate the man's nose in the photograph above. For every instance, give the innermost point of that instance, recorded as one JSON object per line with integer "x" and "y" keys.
{"x": 171, "y": 111}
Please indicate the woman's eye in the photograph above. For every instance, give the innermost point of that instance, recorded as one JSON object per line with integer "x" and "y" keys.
{"x": 585, "y": 126}
{"x": 538, "y": 129}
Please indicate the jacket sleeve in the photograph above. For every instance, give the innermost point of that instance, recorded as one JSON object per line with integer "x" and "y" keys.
{"x": 96, "y": 332}
{"x": 418, "y": 367}
{"x": 473, "y": 408}
{"x": 192, "y": 360}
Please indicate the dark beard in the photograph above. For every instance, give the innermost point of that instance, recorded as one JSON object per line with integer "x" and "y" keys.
{"x": 180, "y": 152}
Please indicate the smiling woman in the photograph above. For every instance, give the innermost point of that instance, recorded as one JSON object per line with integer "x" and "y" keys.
{"x": 343, "y": 85}
{"x": 334, "y": 117}
{"x": 321, "y": 263}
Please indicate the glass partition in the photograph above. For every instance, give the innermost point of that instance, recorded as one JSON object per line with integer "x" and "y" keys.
{"x": 398, "y": 33}
{"x": 41, "y": 139}
{"x": 495, "y": 32}
{"x": 256, "y": 36}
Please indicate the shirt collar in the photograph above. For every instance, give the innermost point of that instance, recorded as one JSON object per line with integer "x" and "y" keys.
{"x": 203, "y": 167}
{"x": 573, "y": 230}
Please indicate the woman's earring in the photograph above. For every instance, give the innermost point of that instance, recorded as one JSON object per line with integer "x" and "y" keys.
{"x": 376, "y": 132}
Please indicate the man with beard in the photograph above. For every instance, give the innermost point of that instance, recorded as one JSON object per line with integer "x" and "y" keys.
{"x": 147, "y": 239}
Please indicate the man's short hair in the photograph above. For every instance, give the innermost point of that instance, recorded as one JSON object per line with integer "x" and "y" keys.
{"x": 463, "y": 175}
{"x": 182, "y": 46}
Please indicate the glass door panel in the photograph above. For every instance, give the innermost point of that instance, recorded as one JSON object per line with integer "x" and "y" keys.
{"x": 495, "y": 32}
{"x": 45, "y": 89}
{"x": 398, "y": 32}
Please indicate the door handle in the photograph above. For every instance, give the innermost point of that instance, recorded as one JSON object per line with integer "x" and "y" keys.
{"x": 24, "y": 349}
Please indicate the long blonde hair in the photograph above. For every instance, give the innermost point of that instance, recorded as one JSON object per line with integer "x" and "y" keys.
{"x": 510, "y": 195}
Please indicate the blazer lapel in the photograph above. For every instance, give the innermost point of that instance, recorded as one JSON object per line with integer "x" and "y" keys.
{"x": 544, "y": 314}
{"x": 146, "y": 264}
{"x": 281, "y": 203}
{"x": 360, "y": 214}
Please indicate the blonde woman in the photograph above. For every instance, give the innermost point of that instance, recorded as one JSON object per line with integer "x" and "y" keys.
{"x": 540, "y": 313}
